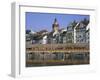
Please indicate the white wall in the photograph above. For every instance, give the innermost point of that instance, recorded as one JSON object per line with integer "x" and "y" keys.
{"x": 5, "y": 40}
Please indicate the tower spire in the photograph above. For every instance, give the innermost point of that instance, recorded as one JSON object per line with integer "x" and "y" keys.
{"x": 55, "y": 25}
{"x": 55, "y": 20}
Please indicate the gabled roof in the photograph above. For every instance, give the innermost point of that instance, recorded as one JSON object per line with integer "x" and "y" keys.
{"x": 87, "y": 30}
{"x": 80, "y": 25}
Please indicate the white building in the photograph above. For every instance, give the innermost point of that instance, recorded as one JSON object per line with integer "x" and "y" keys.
{"x": 81, "y": 33}
{"x": 88, "y": 33}
{"x": 44, "y": 40}
{"x": 70, "y": 33}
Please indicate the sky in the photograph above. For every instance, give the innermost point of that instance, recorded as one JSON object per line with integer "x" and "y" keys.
{"x": 40, "y": 21}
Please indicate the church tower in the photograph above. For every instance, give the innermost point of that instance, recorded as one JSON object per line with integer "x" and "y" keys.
{"x": 55, "y": 26}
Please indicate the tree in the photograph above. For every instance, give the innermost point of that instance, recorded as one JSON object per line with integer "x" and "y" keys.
{"x": 85, "y": 21}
